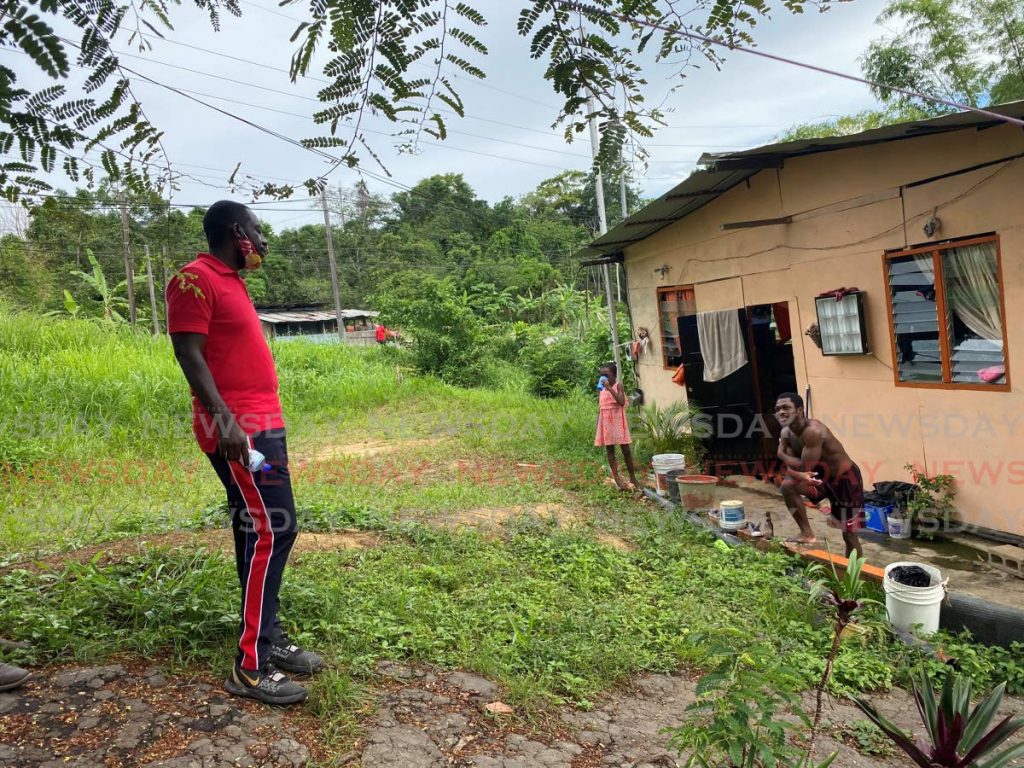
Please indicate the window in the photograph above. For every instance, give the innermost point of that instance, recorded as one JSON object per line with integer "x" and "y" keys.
{"x": 947, "y": 315}
{"x": 674, "y": 303}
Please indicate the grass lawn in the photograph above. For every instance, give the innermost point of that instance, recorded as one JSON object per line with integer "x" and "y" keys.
{"x": 500, "y": 548}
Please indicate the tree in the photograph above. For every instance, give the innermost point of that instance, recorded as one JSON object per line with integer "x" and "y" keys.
{"x": 372, "y": 51}
{"x": 109, "y": 298}
{"x": 967, "y": 51}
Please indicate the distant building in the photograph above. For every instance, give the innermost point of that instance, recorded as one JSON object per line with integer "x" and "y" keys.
{"x": 317, "y": 324}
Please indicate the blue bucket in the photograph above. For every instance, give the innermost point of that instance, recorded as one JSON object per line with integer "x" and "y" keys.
{"x": 876, "y": 517}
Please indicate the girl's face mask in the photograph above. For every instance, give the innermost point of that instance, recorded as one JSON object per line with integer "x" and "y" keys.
{"x": 250, "y": 256}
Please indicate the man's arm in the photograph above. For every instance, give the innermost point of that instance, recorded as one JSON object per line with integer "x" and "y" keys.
{"x": 232, "y": 442}
{"x": 785, "y": 454}
{"x": 810, "y": 457}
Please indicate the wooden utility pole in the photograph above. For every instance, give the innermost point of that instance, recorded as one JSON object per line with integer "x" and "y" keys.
{"x": 128, "y": 268}
{"x": 624, "y": 204}
{"x": 152, "y": 294}
{"x": 595, "y": 144}
{"x": 342, "y": 334}
{"x": 163, "y": 269}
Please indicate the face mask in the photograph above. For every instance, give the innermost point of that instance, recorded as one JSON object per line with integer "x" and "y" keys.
{"x": 250, "y": 255}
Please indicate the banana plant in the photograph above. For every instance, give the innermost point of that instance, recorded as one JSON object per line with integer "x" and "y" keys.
{"x": 958, "y": 736}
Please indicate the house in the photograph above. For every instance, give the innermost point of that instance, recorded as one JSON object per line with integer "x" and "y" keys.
{"x": 925, "y": 220}
{"x": 317, "y": 324}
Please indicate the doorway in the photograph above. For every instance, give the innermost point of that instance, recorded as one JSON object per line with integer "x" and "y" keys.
{"x": 743, "y": 433}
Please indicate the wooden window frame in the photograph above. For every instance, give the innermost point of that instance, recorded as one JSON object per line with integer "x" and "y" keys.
{"x": 936, "y": 249}
{"x": 661, "y": 291}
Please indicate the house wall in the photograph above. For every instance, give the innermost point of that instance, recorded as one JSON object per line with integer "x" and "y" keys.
{"x": 849, "y": 207}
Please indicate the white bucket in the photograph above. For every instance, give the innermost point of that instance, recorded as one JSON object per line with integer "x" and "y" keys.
{"x": 899, "y": 527}
{"x": 664, "y": 463}
{"x": 910, "y": 606}
{"x": 731, "y": 515}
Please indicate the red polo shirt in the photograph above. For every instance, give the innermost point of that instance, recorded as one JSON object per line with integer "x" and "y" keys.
{"x": 210, "y": 298}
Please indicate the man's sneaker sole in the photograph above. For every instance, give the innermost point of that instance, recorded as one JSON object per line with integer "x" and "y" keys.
{"x": 236, "y": 689}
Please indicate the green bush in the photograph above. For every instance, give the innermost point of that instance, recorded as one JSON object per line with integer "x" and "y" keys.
{"x": 554, "y": 363}
{"x": 447, "y": 338}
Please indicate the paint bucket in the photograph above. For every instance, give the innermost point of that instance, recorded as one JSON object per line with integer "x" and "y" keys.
{"x": 914, "y": 608}
{"x": 696, "y": 492}
{"x": 663, "y": 463}
{"x": 899, "y": 526}
{"x": 673, "y": 476}
{"x": 731, "y": 515}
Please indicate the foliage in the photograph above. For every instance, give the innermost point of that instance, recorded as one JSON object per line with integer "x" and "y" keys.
{"x": 95, "y": 282}
{"x": 966, "y": 51}
{"x": 393, "y": 58}
{"x": 931, "y": 507}
{"x": 843, "y": 598}
{"x": 446, "y": 336}
{"x": 958, "y": 736}
{"x": 669, "y": 429}
{"x": 738, "y": 717}
{"x": 847, "y": 125}
{"x": 50, "y": 128}
{"x": 554, "y": 362}
{"x": 866, "y": 738}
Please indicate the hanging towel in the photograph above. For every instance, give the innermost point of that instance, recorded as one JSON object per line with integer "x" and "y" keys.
{"x": 721, "y": 343}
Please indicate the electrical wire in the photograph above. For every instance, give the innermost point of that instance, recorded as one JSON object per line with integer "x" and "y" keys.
{"x": 632, "y": 20}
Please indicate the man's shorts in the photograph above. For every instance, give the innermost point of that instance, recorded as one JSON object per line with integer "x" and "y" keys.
{"x": 845, "y": 494}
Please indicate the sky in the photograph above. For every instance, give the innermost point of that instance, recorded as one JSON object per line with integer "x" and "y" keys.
{"x": 505, "y": 145}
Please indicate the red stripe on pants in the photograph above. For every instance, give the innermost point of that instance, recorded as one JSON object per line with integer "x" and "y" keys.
{"x": 252, "y": 609}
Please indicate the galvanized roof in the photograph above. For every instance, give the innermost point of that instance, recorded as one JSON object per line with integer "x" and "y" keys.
{"x": 314, "y": 316}
{"x": 723, "y": 171}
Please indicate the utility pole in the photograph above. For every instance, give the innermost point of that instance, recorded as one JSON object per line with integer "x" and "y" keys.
{"x": 595, "y": 143}
{"x": 342, "y": 334}
{"x": 128, "y": 269}
{"x": 152, "y": 294}
{"x": 625, "y": 213}
{"x": 163, "y": 268}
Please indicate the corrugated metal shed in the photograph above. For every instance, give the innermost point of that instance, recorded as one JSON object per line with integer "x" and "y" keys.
{"x": 723, "y": 171}
{"x": 312, "y": 316}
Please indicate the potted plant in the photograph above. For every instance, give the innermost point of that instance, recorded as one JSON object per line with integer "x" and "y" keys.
{"x": 931, "y": 508}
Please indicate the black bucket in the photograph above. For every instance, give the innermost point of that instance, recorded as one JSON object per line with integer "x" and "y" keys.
{"x": 673, "y": 486}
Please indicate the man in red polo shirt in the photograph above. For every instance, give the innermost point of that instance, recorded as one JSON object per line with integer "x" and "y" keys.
{"x": 235, "y": 409}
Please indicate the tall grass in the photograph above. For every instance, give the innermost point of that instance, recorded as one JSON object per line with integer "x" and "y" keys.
{"x": 96, "y": 441}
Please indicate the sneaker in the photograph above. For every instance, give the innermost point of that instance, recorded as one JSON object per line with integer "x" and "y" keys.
{"x": 289, "y": 657}
{"x": 268, "y": 686}
{"x": 11, "y": 676}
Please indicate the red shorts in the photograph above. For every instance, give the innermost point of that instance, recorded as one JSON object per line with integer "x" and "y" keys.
{"x": 845, "y": 494}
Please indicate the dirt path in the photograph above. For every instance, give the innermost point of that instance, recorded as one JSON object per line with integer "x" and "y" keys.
{"x": 130, "y": 714}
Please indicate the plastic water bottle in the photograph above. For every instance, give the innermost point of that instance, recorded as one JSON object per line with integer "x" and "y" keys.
{"x": 602, "y": 383}
{"x": 257, "y": 461}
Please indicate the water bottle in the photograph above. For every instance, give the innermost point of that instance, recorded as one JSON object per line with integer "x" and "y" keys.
{"x": 257, "y": 461}
{"x": 602, "y": 383}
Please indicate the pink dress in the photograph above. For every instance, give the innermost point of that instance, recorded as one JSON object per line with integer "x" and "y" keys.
{"x": 612, "y": 428}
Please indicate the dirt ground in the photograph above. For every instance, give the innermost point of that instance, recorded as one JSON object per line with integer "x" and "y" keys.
{"x": 129, "y": 714}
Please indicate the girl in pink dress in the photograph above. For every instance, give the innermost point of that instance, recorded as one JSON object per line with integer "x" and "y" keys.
{"x": 612, "y": 429}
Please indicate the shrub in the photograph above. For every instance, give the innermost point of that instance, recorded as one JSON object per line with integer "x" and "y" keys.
{"x": 554, "y": 363}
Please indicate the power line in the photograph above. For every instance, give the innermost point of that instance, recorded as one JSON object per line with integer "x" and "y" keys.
{"x": 584, "y": 8}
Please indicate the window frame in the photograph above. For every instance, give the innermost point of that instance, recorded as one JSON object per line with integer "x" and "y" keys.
{"x": 661, "y": 291}
{"x": 936, "y": 250}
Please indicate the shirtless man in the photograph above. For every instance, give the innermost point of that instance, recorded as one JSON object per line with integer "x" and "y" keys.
{"x": 817, "y": 465}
